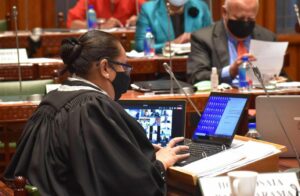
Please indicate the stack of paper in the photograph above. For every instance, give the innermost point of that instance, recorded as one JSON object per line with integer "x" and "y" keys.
{"x": 238, "y": 155}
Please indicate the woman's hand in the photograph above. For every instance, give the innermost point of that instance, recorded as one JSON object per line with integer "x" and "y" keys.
{"x": 183, "y": 38}
{"x": 131, "y": 21}
{"x": 111, "y": 23}
{"x": 170, "y": 154}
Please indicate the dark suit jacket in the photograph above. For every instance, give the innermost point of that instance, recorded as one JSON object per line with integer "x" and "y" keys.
{"x": 210, "y": 49}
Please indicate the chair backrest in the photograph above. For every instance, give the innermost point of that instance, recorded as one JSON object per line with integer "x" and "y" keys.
{"x": 3, "y": 25}
{"x": 10, "y": 91}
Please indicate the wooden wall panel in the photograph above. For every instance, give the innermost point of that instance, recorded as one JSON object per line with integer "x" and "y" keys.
{"x": 48, "y": 11}
{"x": 41, "y": 13}
{"x": 2, "y": 9}
{"x": 217, "y": 9}
{"x": 266, "y": 16}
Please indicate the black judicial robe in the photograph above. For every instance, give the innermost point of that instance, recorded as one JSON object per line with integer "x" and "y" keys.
{"x": 84, "y": 143}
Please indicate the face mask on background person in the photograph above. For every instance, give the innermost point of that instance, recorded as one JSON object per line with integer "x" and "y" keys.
{"x": 239, "y": 28}
{"x": 178, "y": 3}
{"x": 121, "y": 84}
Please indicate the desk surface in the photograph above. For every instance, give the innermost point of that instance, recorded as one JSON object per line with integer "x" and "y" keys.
{"x": 51, "y": 40}
{"x": 199, "y": 100}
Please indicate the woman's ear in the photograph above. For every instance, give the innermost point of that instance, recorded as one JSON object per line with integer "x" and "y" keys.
{"x": 104, "y": 68}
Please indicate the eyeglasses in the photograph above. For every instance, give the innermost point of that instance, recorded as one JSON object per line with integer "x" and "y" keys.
{"x": 128, "y": 68}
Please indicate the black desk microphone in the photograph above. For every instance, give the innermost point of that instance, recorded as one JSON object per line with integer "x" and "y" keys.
{"x": 258, "y": 75}
{"x": 171, "y": 73}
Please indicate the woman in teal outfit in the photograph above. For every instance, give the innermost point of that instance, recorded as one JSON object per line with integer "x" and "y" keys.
{"x": 186, "y": 16}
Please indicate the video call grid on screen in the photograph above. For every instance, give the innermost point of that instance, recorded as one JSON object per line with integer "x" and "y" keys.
{"x": 161, "y": 120}
{"x": 220, "y": 116}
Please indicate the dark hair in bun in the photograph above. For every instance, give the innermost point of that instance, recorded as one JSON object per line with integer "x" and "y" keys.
{"x": 79, "y": 54}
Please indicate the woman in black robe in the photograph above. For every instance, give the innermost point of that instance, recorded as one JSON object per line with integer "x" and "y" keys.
{"x": 80, "y": 141}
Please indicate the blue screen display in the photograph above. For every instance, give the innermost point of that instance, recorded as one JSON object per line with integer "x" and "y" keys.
{"x": 220, "y": 116}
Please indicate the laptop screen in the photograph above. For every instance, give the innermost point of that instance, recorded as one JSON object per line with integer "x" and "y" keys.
{"x": 220, "y": 117}
{"x": 161, "y": 119}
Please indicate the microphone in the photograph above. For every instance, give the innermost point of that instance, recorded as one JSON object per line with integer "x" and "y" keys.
{"x": 137, "y": 7}
{"x": 86, "y": 4}
{"x": 258, "y": 75}
{"x": 171, "y": 73}
{"x": 170, "y": 50}
{"x": 15, "y": 15}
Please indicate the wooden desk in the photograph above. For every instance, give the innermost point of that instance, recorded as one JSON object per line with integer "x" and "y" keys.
{"x": 288, "y": 163}
{"x": 51, "y": 41}
{"x": 12, "y": 120}
{"x": 13, "y": 116}
{"x": 143, "y": 69}
{"x": 188, "y": 182}
{"x": 5, "y": 190}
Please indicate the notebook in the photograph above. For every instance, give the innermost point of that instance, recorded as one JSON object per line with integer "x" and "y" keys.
{"x": 287, "y": 108}
{"x": 217, "y": 125}
{"x": 161, "y": 119}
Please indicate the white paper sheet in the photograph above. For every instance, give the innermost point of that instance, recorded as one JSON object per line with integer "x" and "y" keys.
{"x": 270, "y": 56}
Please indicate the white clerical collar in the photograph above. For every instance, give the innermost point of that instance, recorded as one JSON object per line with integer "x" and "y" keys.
{"x": 76, "y": 88}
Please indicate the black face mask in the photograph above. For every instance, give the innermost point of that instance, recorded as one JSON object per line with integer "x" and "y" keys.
{"x": 240, "y": 29}
{"x": 121, "y": 84}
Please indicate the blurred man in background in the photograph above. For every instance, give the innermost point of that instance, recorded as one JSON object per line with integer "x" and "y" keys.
{"x": 111, "y": 13}
{"x": 225, "y": 43}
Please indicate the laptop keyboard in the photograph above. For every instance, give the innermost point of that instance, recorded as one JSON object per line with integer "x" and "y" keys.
{"x": 199, "y": 150}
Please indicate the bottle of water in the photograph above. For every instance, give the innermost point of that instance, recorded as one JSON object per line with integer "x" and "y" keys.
{"x": 149, "y": 49}
{"x": 244, "y": 67}
{"x": 214, "y": 79}
{"x": 252, "y": 132}
{"x": 91, "y": 18}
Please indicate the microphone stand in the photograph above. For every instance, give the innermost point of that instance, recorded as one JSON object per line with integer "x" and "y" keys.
{"x": 26, "y": 15}
{"x": 211, "y": 7}
{"x": 137, "y": 7}
{"x": 15, "y": 14}
{"x": 257, "y": 73}
{"x": 86, "y": 13}
{"x": 170, "y": 53}
{"x": 170, "y": 72}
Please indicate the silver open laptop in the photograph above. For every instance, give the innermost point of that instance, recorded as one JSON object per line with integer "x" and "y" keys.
{"x": 288, "y": 110}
